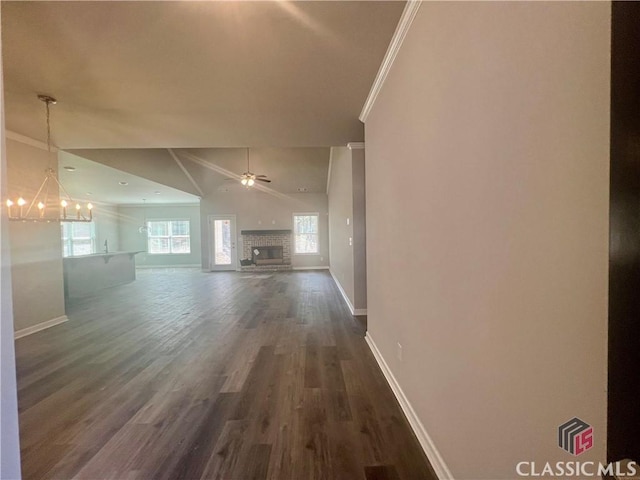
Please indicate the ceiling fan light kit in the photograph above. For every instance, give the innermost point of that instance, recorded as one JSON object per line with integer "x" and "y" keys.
{"x": 248, "y": 178}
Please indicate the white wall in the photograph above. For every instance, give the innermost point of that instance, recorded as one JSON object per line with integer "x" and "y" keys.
{"x": 256, "y": 210}
{"x": 487, "y": 227}
{"x": 132, "y": 217}
{"x": 36, "y": 248}
{"x": 9, "y": 440}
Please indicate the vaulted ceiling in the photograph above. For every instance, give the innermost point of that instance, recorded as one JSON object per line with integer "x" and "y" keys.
{"x": 210, "y": 170}
{"x": 155, "y": 74}
{"x": 98, "y": 183}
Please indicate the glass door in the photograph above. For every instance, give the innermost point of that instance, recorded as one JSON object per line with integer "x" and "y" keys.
{"x": 222, "y": 235}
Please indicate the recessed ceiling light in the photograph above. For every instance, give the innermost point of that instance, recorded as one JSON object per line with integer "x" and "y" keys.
{"x": 123, "y": 183}
{"x": 69, "y": 168}
{"x": 156, "y": 192}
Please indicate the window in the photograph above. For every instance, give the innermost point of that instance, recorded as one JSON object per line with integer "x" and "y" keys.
{"x": 78, "y": 238}
{"x": 168, "y": 237}
{"x": 305, "y": 233}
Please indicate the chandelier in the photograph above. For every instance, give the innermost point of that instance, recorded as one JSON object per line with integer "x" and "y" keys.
{"x": 42, "y": 208}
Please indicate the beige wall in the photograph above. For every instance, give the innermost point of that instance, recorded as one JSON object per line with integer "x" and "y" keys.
{"x": 487, "y": 204}
{"x": 347, "y": 229}
{"x": 9, "y": 440}
{"x": 36, "y": 248}
{"x": 347, "y": 222}
{"x": 255, "y": 210}
{"x": 341, "y": 210}
{"x": 131, "y": 218}
{"x": 359, "y": 229}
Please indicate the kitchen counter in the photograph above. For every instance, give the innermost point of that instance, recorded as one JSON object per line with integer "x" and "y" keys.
{"x": 88, "y": 274}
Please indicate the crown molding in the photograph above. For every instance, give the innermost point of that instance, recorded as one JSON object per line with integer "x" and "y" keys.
{"x": 355, "y": 145}
{"x": 27, "y": 140}
{"x": 408, "y": 14}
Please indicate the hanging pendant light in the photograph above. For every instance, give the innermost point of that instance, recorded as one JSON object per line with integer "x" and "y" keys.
{"x": 46, "y": 209}
{"x": 144, "y": 228}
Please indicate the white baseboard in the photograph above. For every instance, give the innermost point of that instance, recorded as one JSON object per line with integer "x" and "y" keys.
{"x": 41, "y": 326}
{"x": 344, "y": 294}
{"x": 310, "y": 268}
{"x": 354, "y": 311}
{"x": 440, "y": 468}
{"x": 195, "y": 265}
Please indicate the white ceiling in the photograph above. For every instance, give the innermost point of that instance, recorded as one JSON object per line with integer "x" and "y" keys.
{"x": 193, "y": 74}
{"x": 103, "y": 183}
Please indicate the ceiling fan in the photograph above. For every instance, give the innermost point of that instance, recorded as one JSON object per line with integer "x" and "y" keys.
{"x": 248, "y": 178}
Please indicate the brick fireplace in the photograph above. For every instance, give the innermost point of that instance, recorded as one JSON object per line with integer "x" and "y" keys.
{"x": 272, "y": 255}
{"x": 266, "y": 249}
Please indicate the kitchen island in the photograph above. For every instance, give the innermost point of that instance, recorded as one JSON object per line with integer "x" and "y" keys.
{"x": 88, "y": 274}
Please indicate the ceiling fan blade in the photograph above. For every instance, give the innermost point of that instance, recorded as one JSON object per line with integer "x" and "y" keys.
{"x": 264, "y": 176}
{"x": 263, "y": 180}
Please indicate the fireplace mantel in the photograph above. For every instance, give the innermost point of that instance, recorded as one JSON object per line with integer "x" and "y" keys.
{"x": 265, "y": 232}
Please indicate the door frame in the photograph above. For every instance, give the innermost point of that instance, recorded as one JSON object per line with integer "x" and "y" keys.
{"x": 234, "y": 241}
{"x": 623, "y": 385}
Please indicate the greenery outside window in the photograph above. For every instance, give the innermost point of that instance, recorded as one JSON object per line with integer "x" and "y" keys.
{"x": 305, "y": 234}
{"x": 78, "y": 238}
{"x": 168, "y": 237}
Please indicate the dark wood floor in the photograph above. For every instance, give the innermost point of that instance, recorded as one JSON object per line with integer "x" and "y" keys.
{"x": 227, "y": 375}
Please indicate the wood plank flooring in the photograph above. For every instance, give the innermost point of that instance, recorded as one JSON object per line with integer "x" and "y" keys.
{"x": 188, "y": 375}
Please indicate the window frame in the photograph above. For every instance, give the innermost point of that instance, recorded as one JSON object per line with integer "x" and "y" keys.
{"x": 169, "y": 237}
{"x": 317, "y": 233}
{"x": 69, "y": 241}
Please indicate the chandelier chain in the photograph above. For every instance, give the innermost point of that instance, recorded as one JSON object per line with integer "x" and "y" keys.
{"x": 48, "y": 105}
